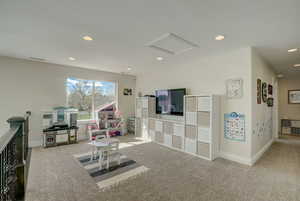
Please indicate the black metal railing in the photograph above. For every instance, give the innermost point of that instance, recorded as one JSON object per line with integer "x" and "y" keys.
{"x": 14, "y": 158}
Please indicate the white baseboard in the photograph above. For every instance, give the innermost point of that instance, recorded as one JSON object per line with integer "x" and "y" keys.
{"x": 235, "y": 158}
{"x": 35, "y": 143}
{"x": 259, "y": 154}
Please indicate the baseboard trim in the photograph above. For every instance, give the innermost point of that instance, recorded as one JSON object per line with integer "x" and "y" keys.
{"x": 35, "y": 143}
{"x": 235, "y": 158}
{"x": 259, "y": 154}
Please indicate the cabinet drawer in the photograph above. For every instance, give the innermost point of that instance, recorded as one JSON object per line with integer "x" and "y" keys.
{"x": 177, "y": 142}
{"x": 152, "y": 135}
{"x": 191, "y": 118}
{"x": 191, "y": 105}
{"x": 168, "y": 140}
{"x": 158, "y": 126}
{"x": 159, "y": 137}
{"x": 191, "y": 132}
{"x": 203, "y": 149}
{"x": 203, "y": 134}
{"x": 168, "y": 128}
{"x": 145, "y": 103}
{"x": 204, "y": 104}
{"x": 179, "y": 130}
{"x": 190, "y": 145}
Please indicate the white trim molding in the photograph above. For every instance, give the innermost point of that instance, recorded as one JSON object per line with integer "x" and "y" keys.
{"x": 259, "y": 154}
{"x": 235, "y": 158}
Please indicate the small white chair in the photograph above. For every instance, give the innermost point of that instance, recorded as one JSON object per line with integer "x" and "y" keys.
{"x": 109, "y": 154}
{"x": 95, "y": 149}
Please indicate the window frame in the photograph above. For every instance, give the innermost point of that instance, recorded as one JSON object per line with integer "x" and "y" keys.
{"x": 94, "y": 116}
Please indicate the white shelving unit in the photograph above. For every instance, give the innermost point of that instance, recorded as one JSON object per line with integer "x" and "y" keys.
{"x": 197, "y": 132}
{"x": 202, "y": 125}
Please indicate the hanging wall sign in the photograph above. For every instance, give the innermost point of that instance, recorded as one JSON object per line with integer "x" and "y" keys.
{"x": 259, "y": 91}
{"x": 234, "y": 126}
{"x": 234, "y": 88}
{"x": 270, "y": 89}
{"x": 264, "y": 92}
{"x": 270, "y": 102}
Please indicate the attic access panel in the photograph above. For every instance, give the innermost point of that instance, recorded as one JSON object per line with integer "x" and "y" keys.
{"x": 172, "y": 44}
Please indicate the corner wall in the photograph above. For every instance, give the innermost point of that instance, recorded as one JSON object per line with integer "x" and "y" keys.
{"x": 209, "y": 75}
{"x": 262, "y": 115}
{"x": 35, "y": 86}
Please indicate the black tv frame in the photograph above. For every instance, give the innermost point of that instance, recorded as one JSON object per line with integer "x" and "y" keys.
{"x": 172, "y": 113}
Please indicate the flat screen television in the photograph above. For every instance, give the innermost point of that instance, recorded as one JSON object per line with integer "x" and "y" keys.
{"x": 170, "y": 101}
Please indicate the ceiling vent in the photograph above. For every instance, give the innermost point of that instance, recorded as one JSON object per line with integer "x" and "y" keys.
{"x": 172, "y": 44}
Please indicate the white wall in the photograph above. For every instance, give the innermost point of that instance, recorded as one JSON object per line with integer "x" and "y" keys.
{"x": 35, "y": 86}
{"x": 262, "y": 115}
{"x": 286, "y": 110}
{"x": 208, "y": 75}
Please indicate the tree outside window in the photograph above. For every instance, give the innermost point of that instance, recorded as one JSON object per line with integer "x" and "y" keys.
{"x": 88, "y": 95}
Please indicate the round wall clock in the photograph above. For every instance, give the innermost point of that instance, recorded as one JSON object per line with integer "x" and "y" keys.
{"x": 264, "y": 91}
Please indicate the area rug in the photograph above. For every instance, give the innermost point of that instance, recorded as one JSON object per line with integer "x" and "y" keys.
{"x": 105, "y": 179}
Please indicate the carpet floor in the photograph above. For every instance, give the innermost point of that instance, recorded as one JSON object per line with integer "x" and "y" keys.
{"x": 55, "y": 175}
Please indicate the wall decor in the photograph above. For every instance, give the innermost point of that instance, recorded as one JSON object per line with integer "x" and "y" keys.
{"x": 270, "y": 102}
{"x": 270, "y": 89}
{"x": 294, "y": 96}
{"x": 127, "y": 92}
{"x": 234, "y": 88}
{"x": 259, "y": 91}
{"x": 234, "y": 126}
{"x": 264, "y": 91}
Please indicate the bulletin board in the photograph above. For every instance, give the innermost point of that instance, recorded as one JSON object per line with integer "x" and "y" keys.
{"x": 234, "y": 126}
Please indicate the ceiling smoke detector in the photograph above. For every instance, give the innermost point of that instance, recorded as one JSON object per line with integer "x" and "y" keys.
{"x": 171, "y": 44}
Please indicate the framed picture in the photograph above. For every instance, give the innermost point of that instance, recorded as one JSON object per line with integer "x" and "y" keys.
{"x": 294, "y": 96}
{"x": 264, "y": 91}
{"x": 270, "y": 102}
{"x": 270, "y": 89}
{"x": 234, "y": 88}
{"x": 258, "y": 91}
{"x": 127, "y": 92}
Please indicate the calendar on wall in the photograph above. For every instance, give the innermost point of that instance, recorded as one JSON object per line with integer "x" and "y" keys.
{"x": 234, "y": 126}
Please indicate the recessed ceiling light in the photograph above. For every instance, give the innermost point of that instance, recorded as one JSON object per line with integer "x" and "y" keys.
{"x": 87, "y": 38}
{"x": 129, "y": 68}
{"x": 297, "y": 65}
{"x": 72, "y": 58}
{"x": 159, "y": 58}
{"x": 293, "y": 50}
{"x": 220, "y": 37}
{"x": 280, "y": 76}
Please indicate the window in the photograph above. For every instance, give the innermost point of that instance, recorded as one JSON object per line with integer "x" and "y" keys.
{"x": 88, "y": 96}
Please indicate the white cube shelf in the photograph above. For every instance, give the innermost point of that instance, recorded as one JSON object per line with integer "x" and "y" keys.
{"x": 196, "y": 133}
